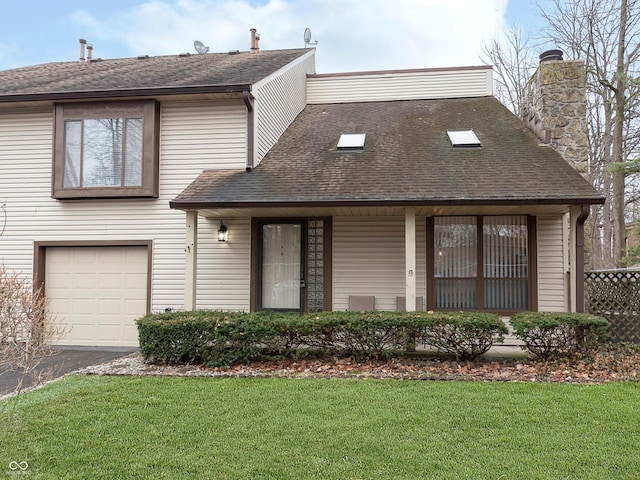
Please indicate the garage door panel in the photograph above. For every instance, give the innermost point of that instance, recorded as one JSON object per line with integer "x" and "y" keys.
{"x": 98, "y": 292}
{"x": 111, "y": 280}
{"x": 85, "y": 281}
{"x": 82, "y": 307}
{"x": 82, "y": 333}
{"x": 133, "y": 280}
{"x": 110, "y": 307}
{"x": 131, "y": 307}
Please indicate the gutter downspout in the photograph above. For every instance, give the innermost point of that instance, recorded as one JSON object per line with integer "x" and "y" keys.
{"x": 248, "y": 101}
{"x": 582, "y": 218}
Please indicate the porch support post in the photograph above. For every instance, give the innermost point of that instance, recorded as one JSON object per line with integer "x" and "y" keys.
{"x": 410, "y": 258}
{"x": 191, "y": 259}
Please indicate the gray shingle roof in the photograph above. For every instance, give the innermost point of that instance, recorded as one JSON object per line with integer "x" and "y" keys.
{"x": 407, "y": 159}
{"x": 117, "y": 75}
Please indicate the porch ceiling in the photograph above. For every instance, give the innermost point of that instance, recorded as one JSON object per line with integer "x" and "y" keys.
{"x": 382, "y": 211}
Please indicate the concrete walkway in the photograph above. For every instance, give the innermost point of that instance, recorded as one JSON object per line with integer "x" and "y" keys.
{"x": 65, "y": 360}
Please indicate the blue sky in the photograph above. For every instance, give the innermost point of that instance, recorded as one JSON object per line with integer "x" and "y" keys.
{"x": 352, "y": 35}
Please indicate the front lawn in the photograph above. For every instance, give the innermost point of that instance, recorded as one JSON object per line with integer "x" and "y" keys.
{"x": 171, "y": 428}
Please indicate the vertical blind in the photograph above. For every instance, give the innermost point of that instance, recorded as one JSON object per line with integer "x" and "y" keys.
{"x": 503, "y": 273}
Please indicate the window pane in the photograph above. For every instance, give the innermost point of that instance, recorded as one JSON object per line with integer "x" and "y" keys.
{"x": 102, "y": 157}
{"x": 506, "y": 266}
{"x": 456, "y": 293}
{"x": 72, "y": 135}
{"x": 455, "y": 262}
{"x": 133, "y": 153}
{"x": 455, "y": 247}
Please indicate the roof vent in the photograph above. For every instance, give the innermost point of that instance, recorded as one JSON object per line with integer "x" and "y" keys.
{"x": 143, "y": 57}
{"x": 550, "y": 55}
{"x": 351, "y": 141}
{"x": 463, "y": 138}
{"x": 255, "y": 40}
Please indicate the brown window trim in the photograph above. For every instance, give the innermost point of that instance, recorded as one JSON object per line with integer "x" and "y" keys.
{"x": 150, "y": 112}
{"x": 532, "y": 246}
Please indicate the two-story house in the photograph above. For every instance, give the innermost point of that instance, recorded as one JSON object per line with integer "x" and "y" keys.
{"x": 246, "y": 181}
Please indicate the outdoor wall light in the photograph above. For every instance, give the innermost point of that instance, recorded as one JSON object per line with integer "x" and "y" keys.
{"x": 222, "y": 232}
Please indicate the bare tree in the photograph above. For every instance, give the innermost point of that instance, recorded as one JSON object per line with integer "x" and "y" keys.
{"x": 513, "y": 64}
{"x": 27, "y": 328}
{"x": 606, "y": 35}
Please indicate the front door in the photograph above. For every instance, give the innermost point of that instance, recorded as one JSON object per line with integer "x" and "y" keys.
{"x": 282, "y": 268}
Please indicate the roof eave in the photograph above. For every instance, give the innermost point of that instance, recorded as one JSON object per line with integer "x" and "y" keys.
{"x": 126, "y": 93}
{"x": 189, "y": 205}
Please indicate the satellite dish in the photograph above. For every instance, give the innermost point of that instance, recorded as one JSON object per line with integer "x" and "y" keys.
{"x": 307, "y": 38}
{"x": 200, "y": 47}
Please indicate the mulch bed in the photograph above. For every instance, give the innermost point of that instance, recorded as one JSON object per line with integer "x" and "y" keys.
{"x": 614, "y": 364}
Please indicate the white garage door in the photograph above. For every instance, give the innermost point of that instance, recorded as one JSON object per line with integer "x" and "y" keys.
{"x": 97, "y": 293}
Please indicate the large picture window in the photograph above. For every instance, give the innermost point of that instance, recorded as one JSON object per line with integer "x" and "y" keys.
{"x": 106, "y": 150}
{"x": 481, "y": 263}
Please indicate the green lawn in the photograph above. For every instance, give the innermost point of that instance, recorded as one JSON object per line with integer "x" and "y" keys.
{"x": 198, "y": 428}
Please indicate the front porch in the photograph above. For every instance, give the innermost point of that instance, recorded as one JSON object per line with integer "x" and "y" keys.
{"x": 389, "y": 253}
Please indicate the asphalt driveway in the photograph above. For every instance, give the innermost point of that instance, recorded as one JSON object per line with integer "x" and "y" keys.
{"x": 65, "y": 360}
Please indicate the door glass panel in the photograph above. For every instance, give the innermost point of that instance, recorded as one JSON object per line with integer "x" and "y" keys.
{"x": 455, "y": 262}
{"x": 506, "y": 263}
{"x": 281, "y": 252}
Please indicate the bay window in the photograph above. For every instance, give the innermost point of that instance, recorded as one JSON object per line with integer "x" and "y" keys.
{"x": 106, "y": 150}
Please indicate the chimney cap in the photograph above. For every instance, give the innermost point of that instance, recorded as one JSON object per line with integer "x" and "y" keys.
{"x": 550, "y": 55}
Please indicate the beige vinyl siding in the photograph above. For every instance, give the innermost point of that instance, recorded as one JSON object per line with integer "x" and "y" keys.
{"x": 279, "y": 100}
{"x": 193, "y": 137}
{"x": 26, "y": 143}
{"x": 414, "y": 85}
{"x": 224, "y": 268}
{"x": 210, "y": 135}
{"x": 369, "y": 259}
{"x": 552, "y": 296}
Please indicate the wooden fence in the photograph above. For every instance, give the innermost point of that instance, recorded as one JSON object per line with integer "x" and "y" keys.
{"x": 615, "y": 295}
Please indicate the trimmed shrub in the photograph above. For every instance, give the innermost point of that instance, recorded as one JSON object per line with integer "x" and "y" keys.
{"x": 550, "y": 334}
{"x": 224, "y": 338}
{"x": 181, "y": 337}
{"x": 467, "y": 335}
{"x": 365, "y": 335}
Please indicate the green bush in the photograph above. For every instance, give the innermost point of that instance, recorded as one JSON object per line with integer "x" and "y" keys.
{"x": 363, "y": 335}
{"x": 467, "y": 335}
{"x": 550, "y": 334}
{"x": 180, "y": 337}
{"x": 224, "y": 338}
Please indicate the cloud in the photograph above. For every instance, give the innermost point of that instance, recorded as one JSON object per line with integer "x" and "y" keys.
{"x": 352, "y": 35}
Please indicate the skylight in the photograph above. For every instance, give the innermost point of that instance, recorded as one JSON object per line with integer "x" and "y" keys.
{"x": 351, "y": 141}
{"x": 463, "y": 138}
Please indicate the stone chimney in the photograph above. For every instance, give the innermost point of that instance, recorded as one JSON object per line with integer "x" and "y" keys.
{"x": 555, "y": 107}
